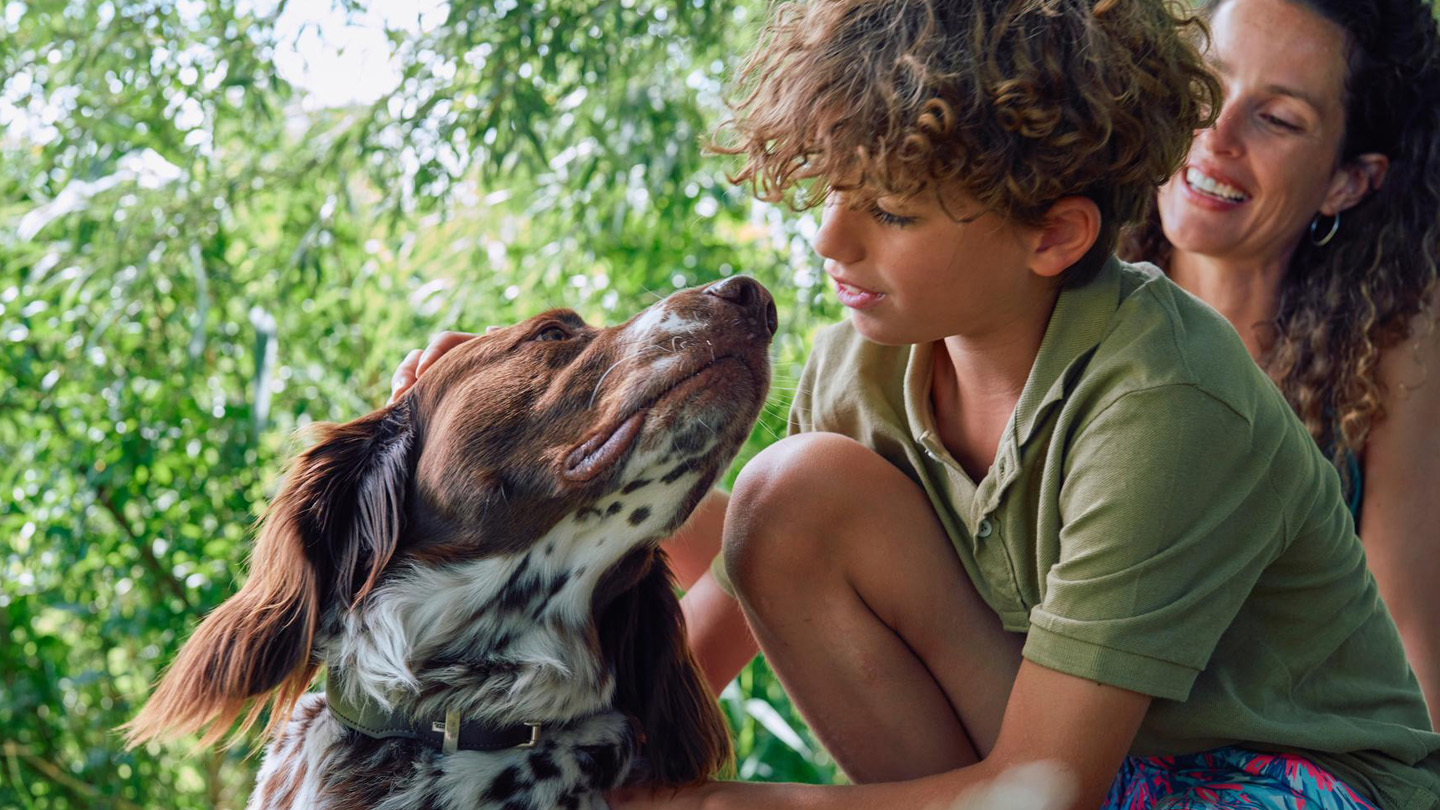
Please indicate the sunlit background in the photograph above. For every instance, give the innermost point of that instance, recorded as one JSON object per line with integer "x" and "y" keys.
{"x": 221, "y": 220}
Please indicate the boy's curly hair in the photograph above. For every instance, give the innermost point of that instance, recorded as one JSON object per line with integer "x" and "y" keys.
{"x": 1014, "y": 103}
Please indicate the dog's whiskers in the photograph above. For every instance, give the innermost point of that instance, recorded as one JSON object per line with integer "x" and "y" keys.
{"x": 638, "y": 355}
{"x": 601, "y": 381}
{"x": 768, "y": 430}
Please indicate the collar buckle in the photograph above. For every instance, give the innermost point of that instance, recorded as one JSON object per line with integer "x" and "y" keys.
{"x": 534, "y": 736}
{"x": 449, "y": 729}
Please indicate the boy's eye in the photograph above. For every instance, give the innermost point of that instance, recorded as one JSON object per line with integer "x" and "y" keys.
{"x": 886, "y": 218}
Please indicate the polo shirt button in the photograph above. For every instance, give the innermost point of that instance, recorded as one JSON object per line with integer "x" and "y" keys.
{"x": 984, "y": 529}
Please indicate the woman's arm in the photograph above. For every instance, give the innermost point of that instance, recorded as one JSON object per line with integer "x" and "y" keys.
{"x": 1400, "y": 514}
{"x": 1084, "y": 728}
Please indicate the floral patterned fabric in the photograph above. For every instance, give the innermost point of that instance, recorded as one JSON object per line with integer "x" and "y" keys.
{"x": 1229, "y": 779}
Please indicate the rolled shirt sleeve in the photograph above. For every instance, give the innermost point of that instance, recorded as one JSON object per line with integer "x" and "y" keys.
{"x": 1167, "y": 521}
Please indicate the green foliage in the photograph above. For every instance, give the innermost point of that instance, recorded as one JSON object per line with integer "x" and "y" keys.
{"x": 193, "y": 267}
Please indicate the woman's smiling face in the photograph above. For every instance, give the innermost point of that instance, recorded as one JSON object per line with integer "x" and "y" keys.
{"x": 1253, "y": 183}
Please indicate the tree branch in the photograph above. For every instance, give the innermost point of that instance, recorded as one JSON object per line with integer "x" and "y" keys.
{"x": 65, "y": 780}
{"x": 106, "y": 499}
{"x": 143, "y": 548}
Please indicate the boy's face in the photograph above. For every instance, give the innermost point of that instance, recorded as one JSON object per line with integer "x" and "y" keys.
{"x": 910, "y": 273}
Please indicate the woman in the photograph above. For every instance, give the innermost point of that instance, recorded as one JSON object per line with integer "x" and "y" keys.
{"x": 1309, "y": 216}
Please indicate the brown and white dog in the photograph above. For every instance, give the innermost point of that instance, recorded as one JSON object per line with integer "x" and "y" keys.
{"x": 482, "y": 556}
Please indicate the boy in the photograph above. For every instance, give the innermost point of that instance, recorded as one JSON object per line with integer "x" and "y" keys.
{"x": 1036, "y": 504}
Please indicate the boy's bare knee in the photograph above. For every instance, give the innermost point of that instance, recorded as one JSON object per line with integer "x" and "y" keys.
{"x": 786, "y": 504}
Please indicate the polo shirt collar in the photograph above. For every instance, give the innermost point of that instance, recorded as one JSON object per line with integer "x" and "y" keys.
{"x": 1081, "y": 317}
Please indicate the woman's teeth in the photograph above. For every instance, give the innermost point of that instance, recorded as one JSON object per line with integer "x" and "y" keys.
{"x": 1212, "y": 187}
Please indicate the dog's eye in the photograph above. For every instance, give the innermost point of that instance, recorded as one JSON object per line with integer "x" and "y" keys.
{"x": 552, "y": 333}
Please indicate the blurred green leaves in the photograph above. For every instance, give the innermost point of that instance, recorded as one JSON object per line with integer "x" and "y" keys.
{"x": 194, "y": 264}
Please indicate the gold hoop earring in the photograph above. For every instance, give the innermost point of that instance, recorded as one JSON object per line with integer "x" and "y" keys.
{"x": 1325, "y": 240}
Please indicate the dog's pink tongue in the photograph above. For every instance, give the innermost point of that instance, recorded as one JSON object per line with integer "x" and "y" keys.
{"x": 600, "y": 452}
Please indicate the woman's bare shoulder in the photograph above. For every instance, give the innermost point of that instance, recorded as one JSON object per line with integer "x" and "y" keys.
{"x": 1410, "y": 370}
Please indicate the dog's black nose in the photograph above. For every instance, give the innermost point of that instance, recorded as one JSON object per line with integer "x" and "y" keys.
{"x": 748, "y": 294}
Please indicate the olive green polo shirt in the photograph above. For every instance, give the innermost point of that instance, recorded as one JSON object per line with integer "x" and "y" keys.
{"x": 1158, "y": 519}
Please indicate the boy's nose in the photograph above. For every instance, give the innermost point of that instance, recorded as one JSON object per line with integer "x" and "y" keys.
{"x": 836, "y": 240}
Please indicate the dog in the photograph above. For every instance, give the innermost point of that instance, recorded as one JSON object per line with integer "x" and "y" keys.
{"x": 477, "y": 568}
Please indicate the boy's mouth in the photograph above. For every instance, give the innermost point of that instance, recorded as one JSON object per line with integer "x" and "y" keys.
{"x": 856, "y": 297}
{"x": 1212, "y": 188}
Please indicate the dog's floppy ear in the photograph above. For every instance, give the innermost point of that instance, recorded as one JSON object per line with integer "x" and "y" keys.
{"x": 658, "y": 682}
{"x": 324, "y": 540}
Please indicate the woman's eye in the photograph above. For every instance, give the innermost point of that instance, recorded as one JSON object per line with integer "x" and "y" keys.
{"x": 1281, "y": 123}
{"x": 552, "y": 333}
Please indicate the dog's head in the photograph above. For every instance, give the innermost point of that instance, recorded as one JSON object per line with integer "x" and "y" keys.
{"x": 552, "y": 419}
{"x": 560, "y": 451}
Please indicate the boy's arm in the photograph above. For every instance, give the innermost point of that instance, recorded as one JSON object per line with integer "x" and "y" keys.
{"x": 714, "y": 622}
{"x": 1085, "y": 726}
{"x": 694, "y": 545}
{"x": 1082, "y": 727}
{"x": 719, "y": 635}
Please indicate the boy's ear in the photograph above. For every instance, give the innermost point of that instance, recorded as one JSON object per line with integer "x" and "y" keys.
{"x": 1070, "y": 229}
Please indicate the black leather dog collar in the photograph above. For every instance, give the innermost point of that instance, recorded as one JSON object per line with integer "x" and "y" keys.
{"x": 448, "y": 734}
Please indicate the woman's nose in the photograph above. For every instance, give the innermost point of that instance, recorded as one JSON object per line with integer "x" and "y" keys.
{"x": 1227, "y": 136}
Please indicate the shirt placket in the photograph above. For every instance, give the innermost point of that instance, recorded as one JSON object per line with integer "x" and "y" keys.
{"x": 978, "y": 510}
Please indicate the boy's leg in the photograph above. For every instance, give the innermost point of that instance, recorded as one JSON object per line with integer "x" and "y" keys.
{"x": 864, "y": 611}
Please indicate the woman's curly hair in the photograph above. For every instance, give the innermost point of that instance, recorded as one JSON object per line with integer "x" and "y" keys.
{"x": 1014, "y": 103}
{"x": 1341, "y": 305}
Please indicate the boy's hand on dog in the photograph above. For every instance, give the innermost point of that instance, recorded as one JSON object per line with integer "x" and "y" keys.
{"x": 417, "y": 361}
{"x": 1044, "y": 785}
{"x": 642, "y": 797}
